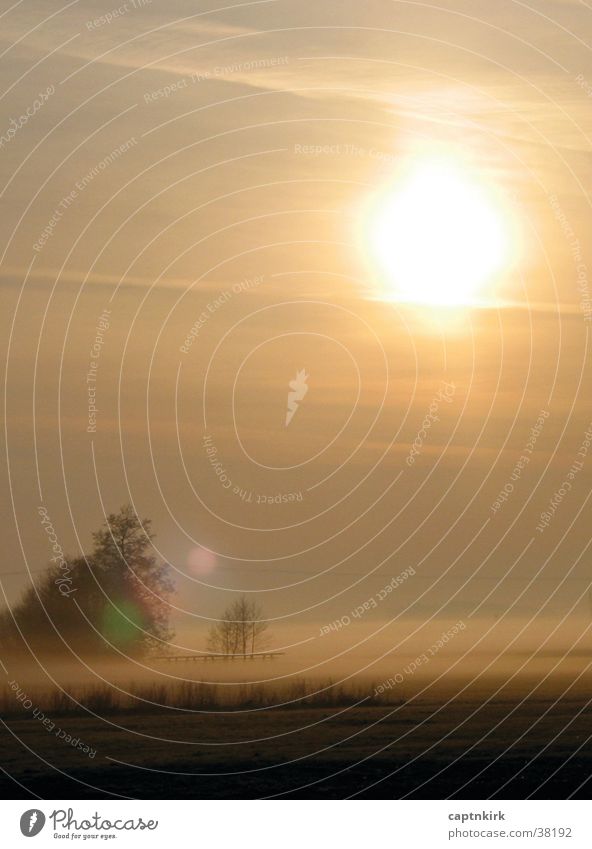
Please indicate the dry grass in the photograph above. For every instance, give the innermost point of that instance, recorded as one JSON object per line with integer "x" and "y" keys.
{"x": 154, "y": 697}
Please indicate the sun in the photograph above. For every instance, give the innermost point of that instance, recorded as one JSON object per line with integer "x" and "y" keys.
{"x": 438, "y": 235}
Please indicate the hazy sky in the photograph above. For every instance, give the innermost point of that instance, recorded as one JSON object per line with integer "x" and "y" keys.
{"x": 194, "y": 167}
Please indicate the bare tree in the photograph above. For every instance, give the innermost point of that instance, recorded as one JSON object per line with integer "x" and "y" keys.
{"x": 241, "y": 630}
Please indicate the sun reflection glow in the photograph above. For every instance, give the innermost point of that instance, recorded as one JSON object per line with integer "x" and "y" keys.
{"x": 438, "y": 235}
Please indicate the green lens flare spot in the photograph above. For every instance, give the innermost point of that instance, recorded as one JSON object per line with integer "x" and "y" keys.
{"x": 122, "y": 623}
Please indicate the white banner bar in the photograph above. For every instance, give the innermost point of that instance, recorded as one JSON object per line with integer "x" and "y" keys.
{"x": 298, "y": 823}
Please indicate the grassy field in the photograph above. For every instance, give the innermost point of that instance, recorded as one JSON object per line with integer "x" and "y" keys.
{"x": 324, "y": 746}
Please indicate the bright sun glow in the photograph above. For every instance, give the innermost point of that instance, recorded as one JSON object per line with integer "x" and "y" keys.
{"x": 438, "y": 236}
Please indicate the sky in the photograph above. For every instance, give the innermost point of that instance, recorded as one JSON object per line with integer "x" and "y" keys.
{"x": 185, "y": 218}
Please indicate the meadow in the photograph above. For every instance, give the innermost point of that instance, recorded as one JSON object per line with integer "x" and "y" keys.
{"x": 304, "y": 738}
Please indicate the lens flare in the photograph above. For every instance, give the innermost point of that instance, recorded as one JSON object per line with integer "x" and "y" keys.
{"x": 201, "y": 561}
{"x": 121, "y": 622}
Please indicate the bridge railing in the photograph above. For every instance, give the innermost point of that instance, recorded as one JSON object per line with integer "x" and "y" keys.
{"x": 205, "y": 657}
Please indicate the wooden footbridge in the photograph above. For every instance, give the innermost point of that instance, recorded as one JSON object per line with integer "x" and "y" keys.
{"x": 205, "y": 658}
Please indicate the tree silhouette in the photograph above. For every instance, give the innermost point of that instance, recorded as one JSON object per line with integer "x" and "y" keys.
{"x": 240, "y": 631}
{"x": 116, "y": 598}
{"x": 139, "y": 587}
